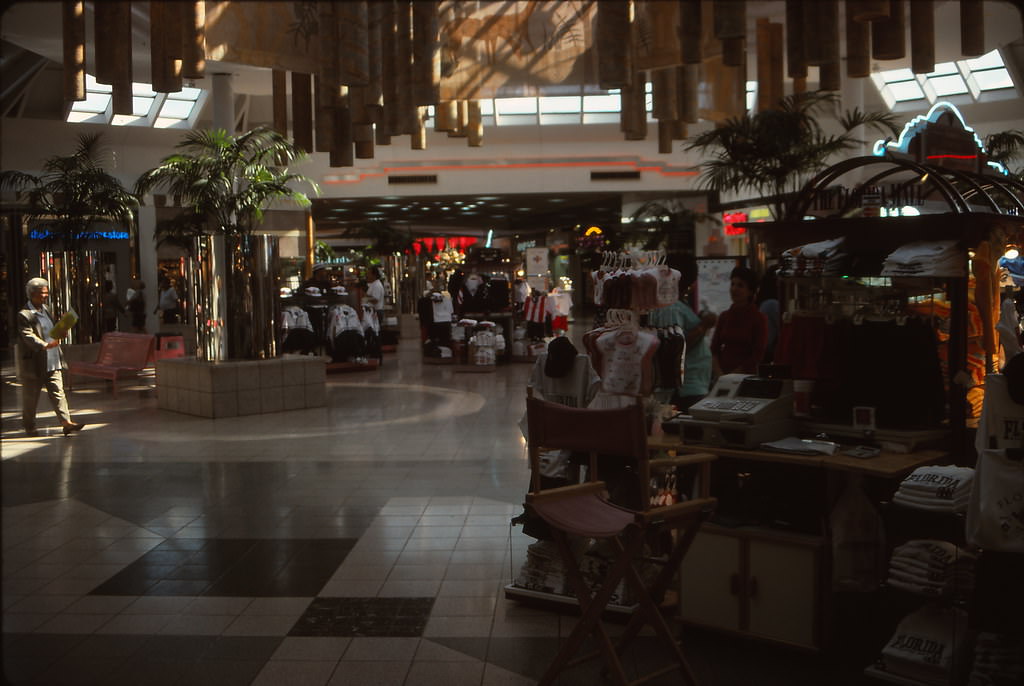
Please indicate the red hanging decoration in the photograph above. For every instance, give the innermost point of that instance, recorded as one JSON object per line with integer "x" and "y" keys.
{"x": 417, "y": 246}
{"x": 429, "y": 242}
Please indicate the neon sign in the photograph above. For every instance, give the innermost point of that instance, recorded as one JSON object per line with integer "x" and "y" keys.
{"x": 36, "y": 234}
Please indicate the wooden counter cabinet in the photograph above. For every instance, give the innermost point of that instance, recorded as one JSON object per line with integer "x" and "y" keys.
{"x": 761, "y": 583}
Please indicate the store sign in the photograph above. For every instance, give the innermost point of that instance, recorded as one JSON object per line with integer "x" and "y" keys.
{"x": 941, "y": 138}
{"x": 37, "y": 235}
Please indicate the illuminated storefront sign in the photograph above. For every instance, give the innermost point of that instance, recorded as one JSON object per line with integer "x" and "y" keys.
{"x": 38, "y": 235}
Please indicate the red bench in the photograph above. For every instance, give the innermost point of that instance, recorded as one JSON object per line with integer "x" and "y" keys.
{"x": 120, "y": 355}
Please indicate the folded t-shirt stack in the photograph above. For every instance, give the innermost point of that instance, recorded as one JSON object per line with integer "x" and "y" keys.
{"x": 543, "y": 569}
{"x": 822, "y": 258}
{"x": 998, "y": 660}
{"x": 928, "y": 645}
{"x": 940, "y": 489}
{"x": 926, "y": 258}
{"x": 932, "y": 568}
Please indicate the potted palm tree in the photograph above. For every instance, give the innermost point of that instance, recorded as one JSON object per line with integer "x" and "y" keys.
{"x": 224, "y": 183}
{"x": 73, "y": 197}
{"x": 773, "y": 152}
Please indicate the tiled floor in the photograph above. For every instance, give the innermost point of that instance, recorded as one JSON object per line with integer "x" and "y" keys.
{"x": 365, "y": 542}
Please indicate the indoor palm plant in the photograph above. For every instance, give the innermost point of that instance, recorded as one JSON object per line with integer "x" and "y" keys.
{"x": 773, "y": 152}
{"x": 223, "y": 184}
{"x": 73, "y": 197}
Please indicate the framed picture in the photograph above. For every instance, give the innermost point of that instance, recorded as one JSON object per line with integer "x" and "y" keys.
{"x": 864, "y": 418}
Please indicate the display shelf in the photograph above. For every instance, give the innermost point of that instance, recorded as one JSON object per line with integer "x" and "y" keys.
{"x": 878, "y": 673}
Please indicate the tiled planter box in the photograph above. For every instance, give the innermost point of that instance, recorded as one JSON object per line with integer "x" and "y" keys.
{"x": 234, "y": 388}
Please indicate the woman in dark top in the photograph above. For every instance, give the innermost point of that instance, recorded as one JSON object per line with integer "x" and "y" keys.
{"x": 741, "y": 335}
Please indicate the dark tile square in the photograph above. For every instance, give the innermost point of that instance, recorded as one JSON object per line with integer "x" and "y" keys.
{"x": 231, "y": 567}
{"x": 187, "y": 587}
{"x": 404, "y": 617}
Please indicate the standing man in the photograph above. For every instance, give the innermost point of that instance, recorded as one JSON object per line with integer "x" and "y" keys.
{"x": 167, "y": 303}
{"x": 41, "y": 362}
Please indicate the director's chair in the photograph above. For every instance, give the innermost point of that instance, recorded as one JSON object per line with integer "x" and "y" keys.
{"x": 584, "y": 510}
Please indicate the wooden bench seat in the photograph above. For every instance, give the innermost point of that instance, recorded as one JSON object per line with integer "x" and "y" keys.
{"x": 121, "y": 355}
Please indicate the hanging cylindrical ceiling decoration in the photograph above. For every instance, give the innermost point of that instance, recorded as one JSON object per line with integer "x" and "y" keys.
{"x": 362, "y": 135}
{"x": 119, "y": 31}
{"x": 279, "y": 100}
{"x": 323, "y": 122}
{"x": 830, "y": 77}
{"x": 326, "y": 82}
{"x": 73, "y": 29}
{"x": 386, "y": 122}
{"x": 612, "y": 37}
{"x": 193, "y": 64}
{"x": 461, "y": 121}
{"x": 666, "y": 134}
{"x": 869, "y": 10}
{"x": 665, "y": 99}
{"x": 426, "y": 53}
{"x": 373, "y": 97}
{"x": 689, "y": 83}
{"x": 353, "y": 51}
{"x": 796, "y": 53}
{"x": 734, "y": 51}
{"x": 922, "y": 36}
{"x": 159, "y": 61}
{"x": 770, "y": 68}
{"x": 302, "y": 111}
{"x": 858, "y": 44}
{"x": 168, "y": 45}
{"x": 888, "y": 36}
{"x": 475, "y": 124}
{"x": 821, "y": 31}
{"x": 341, "y": 148}
{"x": 634, "y": 106}
{"x": 418, "y": 135}
{"x": 972, "y": 28}
{"x": 691, "y": 31}
{"x": 404, "y": 122}
{"x": 445, "y": 114}
{"x": 103, "y": 15}
{"x": 730, "y": 19}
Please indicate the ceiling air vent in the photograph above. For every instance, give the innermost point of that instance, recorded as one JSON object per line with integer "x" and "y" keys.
{"x": 413, "y": 178}
{"x": 613, "y": 175}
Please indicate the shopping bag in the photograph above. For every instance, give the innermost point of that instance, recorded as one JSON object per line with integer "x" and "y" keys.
{"x": 995, "y": 516}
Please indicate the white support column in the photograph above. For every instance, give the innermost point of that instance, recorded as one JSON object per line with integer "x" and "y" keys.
{"x": 147, "y": 262}
{"x": 223, "y": 103}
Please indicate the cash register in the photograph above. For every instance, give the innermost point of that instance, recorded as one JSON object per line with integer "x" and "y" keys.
{"x": 741, "y": 411}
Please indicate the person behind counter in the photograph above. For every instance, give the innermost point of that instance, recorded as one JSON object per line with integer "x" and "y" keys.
{"x": 741, "y": 336}
{"x": 697, "y": 360}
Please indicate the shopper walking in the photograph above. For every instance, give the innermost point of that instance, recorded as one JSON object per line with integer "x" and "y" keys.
{"x": 40, "y": 360}
{"x": 167, "y": 302}
{"x": 112, "y": 307}
{"x": 137, "y": 306}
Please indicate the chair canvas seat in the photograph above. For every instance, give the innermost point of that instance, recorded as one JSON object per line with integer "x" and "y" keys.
{"x": 582, "y": 510}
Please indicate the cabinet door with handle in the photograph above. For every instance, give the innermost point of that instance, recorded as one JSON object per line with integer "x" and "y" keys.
{"x": 782, "y": 591}
{"x": 711, "y": 582}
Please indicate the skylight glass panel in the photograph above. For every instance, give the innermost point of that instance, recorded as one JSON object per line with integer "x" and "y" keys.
{"x": 906, "y": 90}
{"x": 141, "y": 106}
{"x": 143, "y": 90}
{"x": 894, "y": 75}
{"x": 177, "y": 109}
{"x": 94, "y": 102}
{"x": 948, "y": 85}
{"x": 993, "y": 79}
{"x": 92, "y": 85}
{"x": 987, "y": 61}
{"x": 601, "y": 103}
{"x": 516, "y": 105}
{"x": 560, "y": 105}
{"x": 487, "y": 107}
{"x": 943, "y": 69}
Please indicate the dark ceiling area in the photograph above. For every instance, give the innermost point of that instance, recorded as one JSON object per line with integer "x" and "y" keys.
{"x": 505, "y": 214}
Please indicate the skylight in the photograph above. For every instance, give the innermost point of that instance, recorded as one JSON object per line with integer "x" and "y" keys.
{"x": 149, "y": 108}
{"x": 964, "y": 81}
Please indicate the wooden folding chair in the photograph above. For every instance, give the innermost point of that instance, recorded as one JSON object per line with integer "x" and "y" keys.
{"x": 584, "y": 510}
